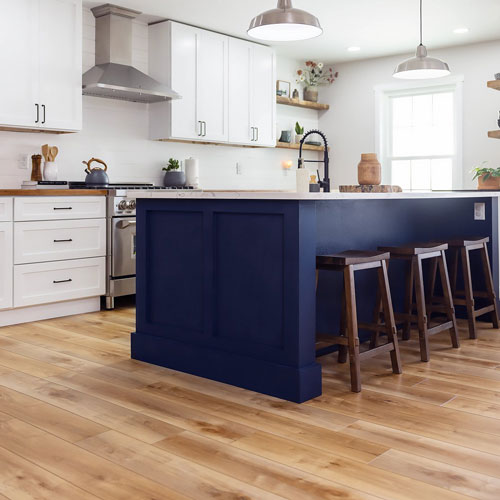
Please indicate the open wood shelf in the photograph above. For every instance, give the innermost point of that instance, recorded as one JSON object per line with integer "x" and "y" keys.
{"x": 302, "y": 104}
{"x": 293, "y": 145}
{"x": 494, "y": 134}
{"x": 494, "y": 84}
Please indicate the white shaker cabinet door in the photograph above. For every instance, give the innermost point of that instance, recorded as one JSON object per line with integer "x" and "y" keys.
{"x": 61, "y": 64}
{"x": 183, "y": 80}
{"x": 241, "y": 131}
{"x": 19, "y": 58}
{"x": 6, "y": 267}
{"x": 263, "y": 99}
{"x": 212, "y": 85}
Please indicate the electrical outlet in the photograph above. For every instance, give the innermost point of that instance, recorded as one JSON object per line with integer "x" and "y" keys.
{"x": 23, "y": 162}
{"x": 479, "y": 211}
{"x": 239, "y": 168}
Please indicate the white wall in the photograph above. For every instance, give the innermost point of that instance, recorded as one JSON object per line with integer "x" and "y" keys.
{"x": 117, "y": 132}
{"x": 350, "y": 123}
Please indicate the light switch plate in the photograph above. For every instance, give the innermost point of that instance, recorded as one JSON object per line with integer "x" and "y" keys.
{"x": 24, "y": 161}
{"x": 479, "y": 211}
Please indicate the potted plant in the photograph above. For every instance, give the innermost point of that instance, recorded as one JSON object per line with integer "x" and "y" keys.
{"x": 299, "y": 133}
{"x": 314, "y": 75}
{"x": 487, "y": 178}
{"x": 174, "y": 176}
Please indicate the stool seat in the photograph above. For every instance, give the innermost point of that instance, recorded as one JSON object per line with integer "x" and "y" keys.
{"x": 416, "y": 248}
{"x": 351, "y": 257}
{"x": 467, "y": 242}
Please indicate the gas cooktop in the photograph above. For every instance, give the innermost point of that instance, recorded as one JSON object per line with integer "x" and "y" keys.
{"x": 124, "y": 185}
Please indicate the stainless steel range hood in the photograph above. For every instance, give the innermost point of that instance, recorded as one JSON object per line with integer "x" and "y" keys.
{"x": 113, "y": 76}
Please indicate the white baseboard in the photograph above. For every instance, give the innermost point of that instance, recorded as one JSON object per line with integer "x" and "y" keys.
{"x": 47, "y": 311}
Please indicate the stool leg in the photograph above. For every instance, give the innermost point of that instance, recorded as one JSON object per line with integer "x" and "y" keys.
{"x": 469, "y": 293}
{"x": 352, "y": 329}
{"x": 392, "y": 336}
{"x": 421, "y": 311}
{"x": 431, "y": 285}
{"x": 453, "y": 270}
{"x": 445, "y": 282}
{"x": 343, "y": 329}
{"x": 376, "y": 314}
{"x": 408, "y": 304}
{"x": 490, "y": 287}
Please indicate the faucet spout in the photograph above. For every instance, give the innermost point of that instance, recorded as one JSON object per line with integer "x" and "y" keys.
{"x": 325, "y": 183}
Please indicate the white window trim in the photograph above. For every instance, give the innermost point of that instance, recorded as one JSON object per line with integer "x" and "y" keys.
{"x": 382, "y": 115}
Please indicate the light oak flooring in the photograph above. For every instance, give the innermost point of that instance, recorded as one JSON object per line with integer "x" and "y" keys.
{"x": 80, "y": 420}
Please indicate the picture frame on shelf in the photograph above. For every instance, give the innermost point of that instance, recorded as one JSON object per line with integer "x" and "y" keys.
{"x": 283, "y": 88}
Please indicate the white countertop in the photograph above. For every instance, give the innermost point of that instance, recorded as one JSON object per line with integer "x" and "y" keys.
{"x": 287, "y": 195}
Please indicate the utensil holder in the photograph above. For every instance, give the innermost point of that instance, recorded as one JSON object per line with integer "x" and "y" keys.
{"x": 50, "y": 171}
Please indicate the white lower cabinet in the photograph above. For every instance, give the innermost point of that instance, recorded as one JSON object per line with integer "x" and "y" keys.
{"x": 5, "y": 265}
{"x": 43, "y": 208}
{"x": 45, "y": 241}
{"x": 56, "y": 281}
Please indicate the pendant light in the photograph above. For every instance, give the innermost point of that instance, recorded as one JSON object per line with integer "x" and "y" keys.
{"x": 284, "y": 24}
{"x": 421, "y": 66}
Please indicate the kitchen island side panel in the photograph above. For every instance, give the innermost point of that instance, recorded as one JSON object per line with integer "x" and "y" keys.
{"x": 225, "y": 290}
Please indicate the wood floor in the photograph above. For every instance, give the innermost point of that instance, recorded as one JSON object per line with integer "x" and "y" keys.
{"x": 80, "y": 420}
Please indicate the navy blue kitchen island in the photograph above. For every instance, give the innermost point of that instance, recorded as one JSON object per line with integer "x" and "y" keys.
{"x": 226, "y": 282}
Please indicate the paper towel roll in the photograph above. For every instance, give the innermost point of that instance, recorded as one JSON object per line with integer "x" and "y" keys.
{"x": 192, "y": 167}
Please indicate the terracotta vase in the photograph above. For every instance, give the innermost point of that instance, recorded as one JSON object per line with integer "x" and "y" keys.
{"x": 369, "y": 170}
{"x": 489, "y": 183}
{"x": 311, "y": 94}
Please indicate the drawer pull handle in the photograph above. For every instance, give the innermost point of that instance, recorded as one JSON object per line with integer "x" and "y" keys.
{"x": 62, "y": 241}
{"x": 63, "y": 208}
{"x": 62, "y": 281}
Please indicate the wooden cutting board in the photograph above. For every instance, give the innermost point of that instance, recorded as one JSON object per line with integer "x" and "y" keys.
{"x": 382, "y": 188}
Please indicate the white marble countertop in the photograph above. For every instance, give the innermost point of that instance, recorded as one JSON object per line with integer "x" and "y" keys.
{"x": 287, "y": 195}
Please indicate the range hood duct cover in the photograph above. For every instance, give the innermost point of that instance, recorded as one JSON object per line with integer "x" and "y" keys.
{"x": 113, "y": 76}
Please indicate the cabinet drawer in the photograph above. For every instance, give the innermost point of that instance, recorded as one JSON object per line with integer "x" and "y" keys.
{"x": 58, "y": 281}
{"x": 45, "y": 241}
{"x": 6, "y": 209}
{"x": 59, "y": 207}
{"x": 5, "y": 265}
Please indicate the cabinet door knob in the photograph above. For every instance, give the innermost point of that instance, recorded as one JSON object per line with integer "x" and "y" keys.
{"x": 204, "y": 129}
{"x": 257, "y": 129}
{"x": 43, "y": 107}
{"x": 62, "y": 281}
{"x": 200, "y": 129}
{"x": 37, "y": 106}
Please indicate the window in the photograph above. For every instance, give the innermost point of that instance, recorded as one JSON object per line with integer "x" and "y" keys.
{"x": 419, "y": 137}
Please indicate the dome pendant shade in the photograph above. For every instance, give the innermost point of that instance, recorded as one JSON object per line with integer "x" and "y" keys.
{"x": 421, "y": 66}
{"x": 284, "y": 24}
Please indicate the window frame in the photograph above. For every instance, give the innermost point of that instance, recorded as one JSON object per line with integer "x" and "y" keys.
{"x": 383, "y": 123}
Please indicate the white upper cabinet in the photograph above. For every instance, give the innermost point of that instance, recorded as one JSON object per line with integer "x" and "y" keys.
{"x": 252, "y": 96}
{"x": 41, "y": 87}
{"x": 227, "y": 87}
{"x": 263, "y": 95}
{"x": 61, "y": 64}
{"x": 19, "y": 60}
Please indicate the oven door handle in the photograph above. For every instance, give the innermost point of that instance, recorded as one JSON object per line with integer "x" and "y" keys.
{"x": 123, "y": 224}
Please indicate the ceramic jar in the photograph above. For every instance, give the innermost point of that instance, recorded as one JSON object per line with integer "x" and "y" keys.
{"x": 174, "y": 178}
{"x": 311, "y": 94}
{"x": 50, "y": 171}
{"x": 369, "y": 170}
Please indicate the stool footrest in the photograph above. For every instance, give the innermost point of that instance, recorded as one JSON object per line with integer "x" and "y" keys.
{"x": 484, "y": 310}
{"x": 440, "y": 328}
{"x": 377, "y": 350}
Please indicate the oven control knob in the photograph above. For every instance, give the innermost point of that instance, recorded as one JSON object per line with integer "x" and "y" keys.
{"x": 131, "y": 205}
{"x": 122, "y": 205}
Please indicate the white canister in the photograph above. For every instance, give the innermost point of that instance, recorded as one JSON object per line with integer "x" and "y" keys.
{"x": 303, "y": 178}
{"x": 192, "y": 168}
{"x": 50, "y": 171}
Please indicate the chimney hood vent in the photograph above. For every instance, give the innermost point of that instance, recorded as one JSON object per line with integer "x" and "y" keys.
{"x": 113, "y": 76}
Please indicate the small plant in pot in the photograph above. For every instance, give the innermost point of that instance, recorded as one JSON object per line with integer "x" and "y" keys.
{"x": 174, "y": 176}
{"x": 487, "y": 178}
{"x": 299, "y": 133}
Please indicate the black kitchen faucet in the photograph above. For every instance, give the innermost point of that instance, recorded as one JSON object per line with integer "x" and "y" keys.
{"x": 325, "y": 183}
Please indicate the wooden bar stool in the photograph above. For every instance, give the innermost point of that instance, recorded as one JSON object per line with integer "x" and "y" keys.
{"x": 349, "y": 262}
{"x": 415, "y": 254}
{"x": 462, "y": 248}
